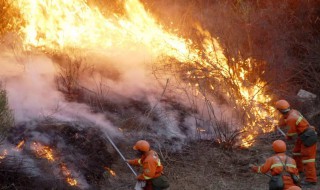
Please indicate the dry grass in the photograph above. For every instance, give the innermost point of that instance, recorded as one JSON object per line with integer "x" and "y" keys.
{"x": 204, "y": 165}
{"x": 201, "y": 165}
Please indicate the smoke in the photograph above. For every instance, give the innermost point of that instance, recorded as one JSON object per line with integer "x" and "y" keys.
{"x": 31, "y": 83}
{"x": 30, "y": 87}
{"x": 126, "y": 74}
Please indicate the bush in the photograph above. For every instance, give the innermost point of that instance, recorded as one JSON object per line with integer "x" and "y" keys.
{"x": 6, "y": 115}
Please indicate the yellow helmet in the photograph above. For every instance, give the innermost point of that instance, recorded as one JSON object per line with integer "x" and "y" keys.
{"x": 142, "y": 145}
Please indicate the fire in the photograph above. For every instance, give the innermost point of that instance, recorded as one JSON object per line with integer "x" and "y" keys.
{"x": 110, "y": 171}
{"x": 43, "y": 151}
{"x": 4, "y": 154}
{"x": 62, "y": 24}
{"x": 66, "y": 172}
{"x": 47, "y": 153}
{"x": 20, "y": 145}
{"x": 73, "y": 24}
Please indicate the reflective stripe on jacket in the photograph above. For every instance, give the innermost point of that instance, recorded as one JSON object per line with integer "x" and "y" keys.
{"x": 274, "y": 165}
{"x": 150, "y": 162}
{"x": 295, "y": 121}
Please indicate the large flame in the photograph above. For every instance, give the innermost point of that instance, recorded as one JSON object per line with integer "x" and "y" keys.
{"x": 62, "y": 24}
{"x": 72, "y": 23}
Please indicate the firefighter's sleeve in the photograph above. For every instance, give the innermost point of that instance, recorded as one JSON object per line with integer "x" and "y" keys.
{"x": 134, "y": 162}
{"x": 265, "y": 167}
{"x": 282, "y": 122}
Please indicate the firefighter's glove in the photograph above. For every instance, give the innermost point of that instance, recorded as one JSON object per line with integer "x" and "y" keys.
{"x": 253, "y": 168}
{"x": 288, "y": 137}
{"x": 140, "y": 178}
{"x": 129, "y": 162}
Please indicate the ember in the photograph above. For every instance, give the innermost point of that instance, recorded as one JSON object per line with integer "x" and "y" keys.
{"x": 110, "y": 171}
{"x": 42, "y": 151}
{"x": 20, "y": 145}
{"x": 66, "y": 172}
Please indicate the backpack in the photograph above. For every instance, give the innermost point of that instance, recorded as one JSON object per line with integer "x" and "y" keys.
{"x": 276, "y": 182}
{"x": 161, "y": 182}
{"x": 309, "y": 137}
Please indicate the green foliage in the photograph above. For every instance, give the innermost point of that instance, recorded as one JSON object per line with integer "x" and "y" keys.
{"x": 6, "y": 115}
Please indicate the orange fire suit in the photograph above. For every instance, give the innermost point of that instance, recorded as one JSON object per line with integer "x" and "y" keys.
{"x": 152, "y": 167}
{"x": 304, "y": 156}
{"x": 274, "y": 165}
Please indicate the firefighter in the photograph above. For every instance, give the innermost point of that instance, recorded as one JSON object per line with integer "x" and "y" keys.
{"x": 152, "y": 167}
{"x": 278, "y": 164}
{"x": 304, "y": 151}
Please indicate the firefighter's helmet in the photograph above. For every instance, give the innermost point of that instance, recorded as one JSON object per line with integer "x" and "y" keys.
{"x": 142, "y": 145}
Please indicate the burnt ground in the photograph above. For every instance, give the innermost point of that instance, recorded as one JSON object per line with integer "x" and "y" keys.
{"x": 84, "y": 151}
{"x": 192, "y": 163}
{"x": 83, "y": 148}
{"x": 199, "y": 164}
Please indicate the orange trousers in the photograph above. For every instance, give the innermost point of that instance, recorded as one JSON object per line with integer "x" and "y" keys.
{"x": 305, "y": 158}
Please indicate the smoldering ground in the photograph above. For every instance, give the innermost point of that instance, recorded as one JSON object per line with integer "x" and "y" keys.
{"x": 129, "y": 103}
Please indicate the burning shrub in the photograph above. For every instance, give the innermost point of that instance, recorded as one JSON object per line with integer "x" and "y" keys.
{"x": 8, "y": 16}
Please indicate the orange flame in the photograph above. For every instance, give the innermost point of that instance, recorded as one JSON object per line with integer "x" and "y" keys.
{"x": 43, "y": 151}
{"x": 20, "y": 145}
{"x": 47, "y": 153}
{"x": 4, "y": 154}
{"x": 62, "y": 24}
{"x": 67, "y": 173}
{"x": 113, "y": 173}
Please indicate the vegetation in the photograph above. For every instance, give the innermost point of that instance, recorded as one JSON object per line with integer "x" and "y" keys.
{"x": 283, "y": 38}
{"x": 6, "y": 115}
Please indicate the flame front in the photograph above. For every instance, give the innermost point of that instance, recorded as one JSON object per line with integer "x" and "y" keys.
{"x": 72, "y": 23}
{"x": 62, "y": 24}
